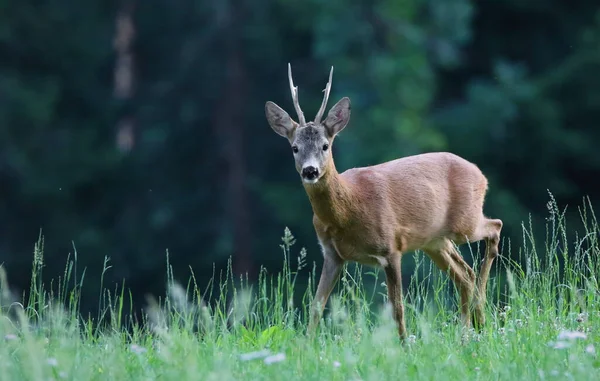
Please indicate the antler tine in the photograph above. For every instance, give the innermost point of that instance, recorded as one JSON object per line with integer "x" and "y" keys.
{"x": 325, "y": 99}
{"x": 294, "y": 90}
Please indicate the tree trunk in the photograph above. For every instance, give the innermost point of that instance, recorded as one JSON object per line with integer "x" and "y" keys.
{"x": 123, "y": 92}
{"x": 124, "y": 74}
{"x": 230, "y": 124}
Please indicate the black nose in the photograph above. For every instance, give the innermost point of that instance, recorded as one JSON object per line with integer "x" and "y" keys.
{"x": 310, "y": 173}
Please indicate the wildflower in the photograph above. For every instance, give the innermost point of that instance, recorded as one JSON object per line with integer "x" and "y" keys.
{"x": 501, "y": 330}
{"x": 52, "y": 361}
{"x": 10, "y": 337}
{"x": 571, "y": 335}
{"x": 254, "y": 355}
{"x": 477, "y": 369}
{"x": 541, "y": 374}
{"x": 359, "y": 333}
{"x": 560, "y": 345}
{"x": 178, "y": 295}
{"x": 590, "y": 349}
{"x": 412, "y": 339}
{"x": 274, "y": 358}
{"x": 337, "y": 364}
{"x": 581, "y": 317}
{"x": 137, "y": 349}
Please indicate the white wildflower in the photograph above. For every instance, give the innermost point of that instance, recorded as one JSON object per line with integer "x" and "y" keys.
{"x": 137, "y": 349}
{"x": 571, "y": 335}
{"x": 541, "y": 374}
{"x": 412, "y": 339}
{"x": 52, "y": 361}
{"x": 275, "y": 358}
{"x": 590, "y": 349}
{"x": 10, "y": 337}
{"x": 337, "y": 364}
{"x": 560, "y": 345}
{"x": 254, "y": 355}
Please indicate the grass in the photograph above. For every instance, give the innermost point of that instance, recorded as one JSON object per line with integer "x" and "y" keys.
{"x": 543, "y": 322}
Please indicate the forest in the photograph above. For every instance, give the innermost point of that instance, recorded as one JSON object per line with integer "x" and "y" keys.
{"x": 134, "y": 132}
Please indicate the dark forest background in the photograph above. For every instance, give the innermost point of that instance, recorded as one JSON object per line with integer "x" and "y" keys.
{"x": 129, "y": 128}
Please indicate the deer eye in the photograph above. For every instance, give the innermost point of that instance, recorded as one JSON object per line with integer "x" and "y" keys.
{"x": 295, "y": 149}
{"x": 325, "y": 147}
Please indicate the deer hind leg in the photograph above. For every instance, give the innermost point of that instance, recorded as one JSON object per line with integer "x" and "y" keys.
{"x": 489, "y": 230}
{"x": 445, "y": 255}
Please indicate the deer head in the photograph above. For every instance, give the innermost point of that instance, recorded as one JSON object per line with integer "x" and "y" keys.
{"x": 310, "y": 141}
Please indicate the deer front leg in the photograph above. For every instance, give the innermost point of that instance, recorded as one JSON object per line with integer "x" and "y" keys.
{"x": 393, "y": 279}
{"x": 332, "y": 268}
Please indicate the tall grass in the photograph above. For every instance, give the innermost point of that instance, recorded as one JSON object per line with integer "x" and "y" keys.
{"x": 543, "y": 322}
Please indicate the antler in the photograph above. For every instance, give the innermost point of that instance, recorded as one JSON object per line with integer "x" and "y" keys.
{"x": 294, "y": 90}
{"x": 325, "y": 99}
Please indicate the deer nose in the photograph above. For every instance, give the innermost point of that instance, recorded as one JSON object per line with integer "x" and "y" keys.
{"x": 310, "y": 173}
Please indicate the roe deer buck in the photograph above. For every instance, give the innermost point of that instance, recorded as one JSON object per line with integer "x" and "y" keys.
{"x": 372, "y": 215}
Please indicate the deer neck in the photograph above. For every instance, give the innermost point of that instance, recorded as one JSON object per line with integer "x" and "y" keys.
{"x": 331, "y": 197}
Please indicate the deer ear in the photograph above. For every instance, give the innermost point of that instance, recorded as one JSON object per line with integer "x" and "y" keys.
{"x": 338, "y": 117}
{"x": 279, "y": 120}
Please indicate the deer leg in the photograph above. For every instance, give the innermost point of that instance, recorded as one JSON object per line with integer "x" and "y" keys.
{"x": 490, "y": 231}
{"x": 393, "y": 279}
{"x": 448, "y": 259}
{"x": 332, "y": 268}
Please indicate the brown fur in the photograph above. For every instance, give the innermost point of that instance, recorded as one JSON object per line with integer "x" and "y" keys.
{"x": 373, "y": 215}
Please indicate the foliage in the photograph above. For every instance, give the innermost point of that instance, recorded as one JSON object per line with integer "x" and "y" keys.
{"x": 542, "y": 323}
{"x": 206, "y": 179}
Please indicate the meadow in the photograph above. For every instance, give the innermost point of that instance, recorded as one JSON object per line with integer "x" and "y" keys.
{"x": 543, "y": 322}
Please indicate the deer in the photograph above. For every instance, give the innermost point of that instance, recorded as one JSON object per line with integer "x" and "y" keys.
{"x": 431, "y": 202}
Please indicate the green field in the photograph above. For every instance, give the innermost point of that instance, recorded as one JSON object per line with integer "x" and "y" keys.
{"x": 543, "y": 323}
